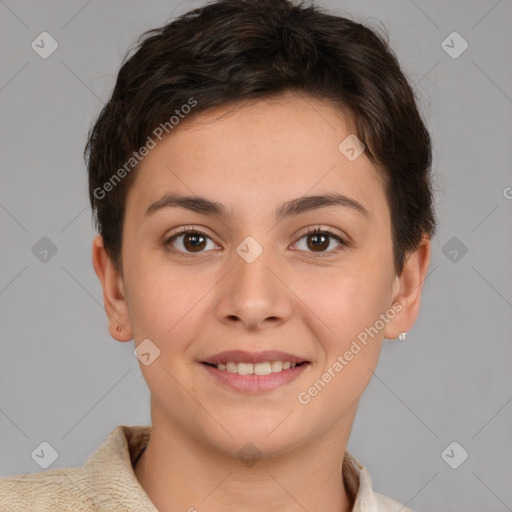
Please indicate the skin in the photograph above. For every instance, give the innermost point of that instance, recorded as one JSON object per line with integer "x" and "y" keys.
{"x": 290, "y": 299}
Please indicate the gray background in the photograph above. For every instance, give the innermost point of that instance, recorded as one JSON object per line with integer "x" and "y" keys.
{"x": 65, "y": 381}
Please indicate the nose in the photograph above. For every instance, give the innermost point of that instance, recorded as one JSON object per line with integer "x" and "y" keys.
{"x": 254, "y": 294}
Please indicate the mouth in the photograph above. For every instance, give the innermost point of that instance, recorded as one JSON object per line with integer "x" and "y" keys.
{"x": 264, "y": 368}
{"x": 255, "y": 372}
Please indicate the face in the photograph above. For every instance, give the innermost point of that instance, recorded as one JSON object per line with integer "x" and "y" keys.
{"x": 251, "y": 278}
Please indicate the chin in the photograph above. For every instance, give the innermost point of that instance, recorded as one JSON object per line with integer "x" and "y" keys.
{"x": 268, "y": 441}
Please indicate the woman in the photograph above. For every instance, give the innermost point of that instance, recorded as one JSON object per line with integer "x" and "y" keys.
{"x": 261, "y": 184}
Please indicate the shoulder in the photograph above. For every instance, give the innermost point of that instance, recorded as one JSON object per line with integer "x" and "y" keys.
{"x": 386, "y": 504}
{"x": 105, "y": 482}
{"x": 59, "y": 489}
{"x": 358, "y": 482}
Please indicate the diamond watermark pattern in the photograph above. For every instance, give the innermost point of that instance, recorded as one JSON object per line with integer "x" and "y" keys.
{"x": 44, "y": 45}
{"x": 454, "y": 249}
{"x": 249, "y": 249}
{"x": 45, "y": 455}
{"x": 454, "y": 45}
{"x": 249, "y": 454}
{"x": 351, "y": 147}
{"x": 146, "y": 352}
{"x": 44, "y": 250}
{"x": 454, "y": 455}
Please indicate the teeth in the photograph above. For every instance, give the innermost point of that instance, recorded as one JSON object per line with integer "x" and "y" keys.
{"x": 232, "y": 367}
{"x": 256, "y": 369}
{"x": 276, "y": 366}
{"x": 245, "y": 368}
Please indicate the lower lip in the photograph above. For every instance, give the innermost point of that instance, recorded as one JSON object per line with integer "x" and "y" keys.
{"x": 255, "y": 383}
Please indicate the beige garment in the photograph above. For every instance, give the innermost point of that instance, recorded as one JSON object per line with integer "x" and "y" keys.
{"x": 107, "y": 482}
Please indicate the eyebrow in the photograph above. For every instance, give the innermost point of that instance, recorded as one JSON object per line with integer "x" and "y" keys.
{"x": 289, "y": 208}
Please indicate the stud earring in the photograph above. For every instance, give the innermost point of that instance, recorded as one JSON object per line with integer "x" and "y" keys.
{"x": 401, "y": 336}
{"x": 118, "y": 328}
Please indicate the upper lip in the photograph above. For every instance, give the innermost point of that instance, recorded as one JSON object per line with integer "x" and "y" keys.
{"x": 240, "y": 356}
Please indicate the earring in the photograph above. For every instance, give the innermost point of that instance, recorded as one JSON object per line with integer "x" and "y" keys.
{"x": 401, "y": 336}
{"x": 118, "y": 328}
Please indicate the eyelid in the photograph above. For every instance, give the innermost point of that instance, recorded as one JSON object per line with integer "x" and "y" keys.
{"x": 187, "y": 229}
{"x": 322, "y": 229}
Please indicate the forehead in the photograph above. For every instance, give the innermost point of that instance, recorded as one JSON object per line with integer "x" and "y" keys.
{"x": 266, "y": 151}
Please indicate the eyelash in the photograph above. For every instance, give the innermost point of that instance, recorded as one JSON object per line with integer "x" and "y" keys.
{"x": 310, "y": 231}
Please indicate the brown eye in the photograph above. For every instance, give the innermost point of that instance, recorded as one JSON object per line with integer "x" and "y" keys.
{"x": 318, "y": 241}
{"x": 193, "y": 242}
{"x": 188, "y": 241}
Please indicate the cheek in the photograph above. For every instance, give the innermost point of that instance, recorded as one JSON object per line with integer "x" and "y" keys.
{"x": 342, "y": 313}
{"x": 345, "y": 310}
{"x": 167, "y": 303}
{"x": 344, "y": 303}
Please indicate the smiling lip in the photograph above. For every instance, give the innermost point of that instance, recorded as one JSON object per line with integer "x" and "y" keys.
{"x": 254, "y": 383}
{"x": 240, "y": 356}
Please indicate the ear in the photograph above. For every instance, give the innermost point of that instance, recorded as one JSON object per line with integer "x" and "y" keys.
{"x": 114, "y": 297}
{"x": 407, "y": 289}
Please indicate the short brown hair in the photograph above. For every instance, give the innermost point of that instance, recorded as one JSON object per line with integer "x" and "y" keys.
{"x": 230, "y": 51}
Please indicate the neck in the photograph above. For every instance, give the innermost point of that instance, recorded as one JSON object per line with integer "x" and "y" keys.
{"x": 179, "y": 473}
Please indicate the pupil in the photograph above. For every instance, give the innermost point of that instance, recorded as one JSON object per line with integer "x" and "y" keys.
{"x": 195, "y": 240}
{"x": 317, "y": 240}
